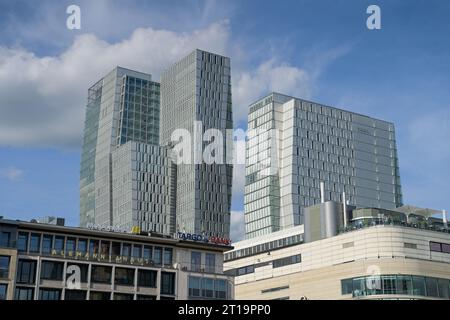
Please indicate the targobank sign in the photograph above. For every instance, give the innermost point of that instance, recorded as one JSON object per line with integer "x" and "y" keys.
{"x": 201, "y": 238}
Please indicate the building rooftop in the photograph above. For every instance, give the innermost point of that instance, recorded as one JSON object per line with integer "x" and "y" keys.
{"x": 152, "y": 238}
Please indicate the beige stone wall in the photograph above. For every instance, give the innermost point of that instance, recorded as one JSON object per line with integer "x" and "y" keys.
{"x": 325, "y": 262}
{"x": 325, "y": 283}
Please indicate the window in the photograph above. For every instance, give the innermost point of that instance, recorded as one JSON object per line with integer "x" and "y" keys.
{"x": 115, "y": 249}
{"x": 24, "y": 293}
{"x": 347, "y": 286}
{"x": 196, "y": 260}
{"x": 93, "y": 246}
{"x": 22, "y": 242}
{"x": 207, "y": 288}
{"x": 123, "y": 296}
{"x": 5, "y": 239}
{"x": 443, "y": 288}
{"x": 101, "y": 274}
{"x": 157, "y": 257}
{"x": 144, "y": 297}
{"x": 70, "y": 244}
{"x": 35, "y": 243}
{"x": 3, "y": 291}
{"x": 47, "y": 243}
{"x": 59, "y": 244}
{"x": 435, "y": 246}
{"x": 194, "y": 286}
{"x": 126, "y": 249}
{"x": 82, "y": 246}
{"x": 286, "y": 261}
{"x": 221, "y": 289}
{"x": 210, "y": 259}
{"x": 49, "y": 294}
{"x": 404, "y": 285}
{"x": 51, "y": 270}
{"x": 419, "y": 286}
{"x": 83, "y": 270}
{"x": 147, "y": 278}
{"x": 445, "y": 248}
{"x": 98, "y": 295}
{"x": 147, "y": 252}
{"x": 26, "y": 271}
{"x": 275, "y": 289}
{"x": 432, "y": 287}
{"x": 75, "y": 295}
{"x": 167, "y": 283}
{"x": 124, "y": 277}
{"x": 104, "y": 249}
{"x": 4, "y": 267}
{"x": 389, "y": 284}
{"x": 168, "y": 252}
{"x": 137, "y": 251}
{"x": 359, "y": 286}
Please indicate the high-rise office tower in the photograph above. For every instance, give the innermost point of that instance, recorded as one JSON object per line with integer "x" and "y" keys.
{"x": 295, "y": 144}
{"x": 123, "y": 107}
{"x": 197, "y": 89}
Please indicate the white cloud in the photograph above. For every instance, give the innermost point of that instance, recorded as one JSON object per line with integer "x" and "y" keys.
{"x": 44, "y": 98}
{"x": 237, "y": 226}
{"x": 270, "y": 76}
{"x": 12, "y": 173}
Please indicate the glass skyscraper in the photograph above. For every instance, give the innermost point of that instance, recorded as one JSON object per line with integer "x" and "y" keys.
{"x": 198, "y": 89}
{"x": 295, "y": 144}
{"x": 123, "y": 106}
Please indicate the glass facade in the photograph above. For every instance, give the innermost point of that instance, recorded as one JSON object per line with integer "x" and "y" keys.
{"x": 133, "y": 117}
{"x": 397, "y": 285}
{"x": 349, "y": 152}
{"x": 198, "y": 88}
{"x": 142, "y": 187}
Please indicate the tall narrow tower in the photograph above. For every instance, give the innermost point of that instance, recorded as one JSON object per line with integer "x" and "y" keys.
{"x": 196, "y": 93}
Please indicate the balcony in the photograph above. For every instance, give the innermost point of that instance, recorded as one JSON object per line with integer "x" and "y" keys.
{"x": 367, "y": 223}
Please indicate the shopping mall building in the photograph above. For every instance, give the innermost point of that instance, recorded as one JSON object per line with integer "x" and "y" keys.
{"x": 366, "y": 253}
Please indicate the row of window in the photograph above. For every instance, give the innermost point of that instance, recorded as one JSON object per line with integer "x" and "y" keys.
{"x": 275, "y": 264}
{"x": 397, "y": 284}
{"x": 24, "y": 293}
{"x": 264, "y": 247}
{"x": 46, "y": 243}
{"x": 53, "y": 270}
{"x": 207, "y": 288}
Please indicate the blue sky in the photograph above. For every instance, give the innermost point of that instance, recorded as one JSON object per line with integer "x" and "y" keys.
{"x": 320, "y": 50}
